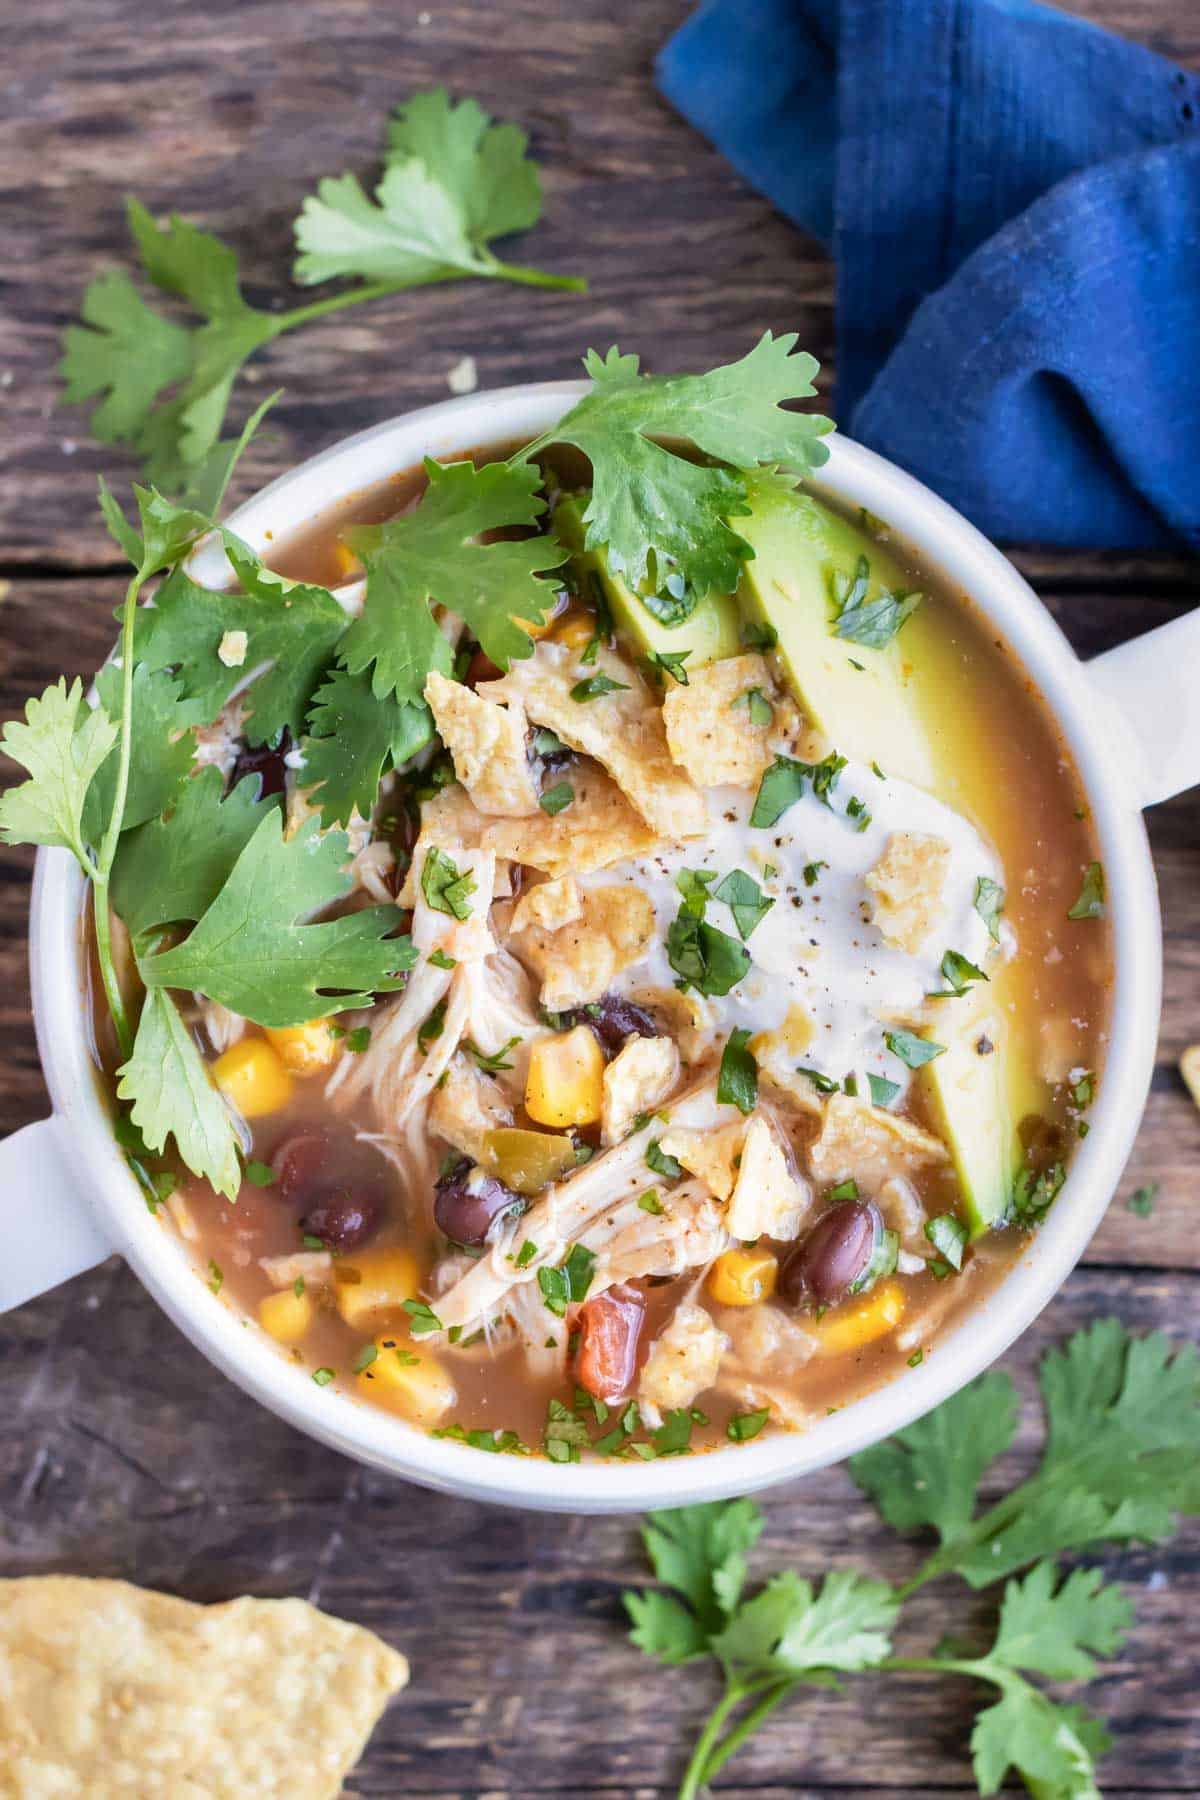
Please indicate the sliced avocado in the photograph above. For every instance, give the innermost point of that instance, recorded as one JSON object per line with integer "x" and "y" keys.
{"x": 969, "y": 1097}
{"x": 711, "y": 631}
{"x": 856, "y": 697}
{"x": 885, "y": 711}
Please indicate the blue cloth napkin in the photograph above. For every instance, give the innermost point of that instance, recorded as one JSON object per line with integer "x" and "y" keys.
{"x": 1012, "y": 201}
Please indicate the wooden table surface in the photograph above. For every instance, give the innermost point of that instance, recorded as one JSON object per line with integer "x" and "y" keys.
{"x": 122, "y": 1452}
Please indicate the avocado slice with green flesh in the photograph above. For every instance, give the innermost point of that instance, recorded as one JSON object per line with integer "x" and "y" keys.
{"x": 879, "y": 713}
{"x": 711, "y": 631}
{"x": 855, "y": 697}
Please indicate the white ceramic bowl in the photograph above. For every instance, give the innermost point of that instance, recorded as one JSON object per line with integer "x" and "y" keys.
{"x": 1134, "y": 731}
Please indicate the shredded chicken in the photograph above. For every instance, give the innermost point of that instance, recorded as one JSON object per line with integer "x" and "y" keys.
{"x": 566, "y": 1213}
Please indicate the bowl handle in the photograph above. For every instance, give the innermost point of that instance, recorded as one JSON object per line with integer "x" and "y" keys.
{"x": 50, "y": 1232}
{"x": 1148, "y": 687}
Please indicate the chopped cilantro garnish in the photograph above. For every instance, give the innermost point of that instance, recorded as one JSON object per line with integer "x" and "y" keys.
{"x": 948, "y": 1236}
{"x": 1090, "y": 904}
{"x": 872, "y": 623}
{"x": 422, "y": 1318}
{"x": 669, "y": 1167}
{"x": 737, "y": 1080}
{"x": 786, "y": 781}
{"x": 958, "y": 974}
{"x": 431, "y": 1027}
{"x": 260, "y": 1173}
{"x": 745, "y": 900}
{"x": 525, "y": 1254}
{"x": 594, "y": 687}
{"x": 811, "y": 871}
{"x": 913, "y": 1051}
{"x": 989, "y": 904}
{"x": 671, "y": 661}
{"x": 757, "y": 705}
{"x": 744, "y": 1426}
{"x": 324, "y": 1376}
{"x": 358, "y": 1039}
{"x": 845, "y": 1190}
{"x": 441, "y": 960}
{"x": 557, "y": 798}
{"x": 883, "y": 1092}
{"x": 365, "y": 1358}
{"x": 824, "y": 1084}
{"x": 1034, "y": 1193}
{"x": 445, "y": 889}
{"x": 216, "y": 1278}
{"x": 649, "y": 1202}
{"x": 1141, "y": 1201}
{"x": 493, "y": 1062}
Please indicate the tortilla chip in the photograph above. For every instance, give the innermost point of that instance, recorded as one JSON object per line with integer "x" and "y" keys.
{"x": 597, "y": 829}
{"x": 487, "y": 746}
{"x": 710, "y": 732}
{"x": 711, "y": 1155}
{"x": 108, "y": 1691}
{"x": 623, "y": 730}
{"x": 869, "y": 1144}
{"x": 550, "y": 905}
{"x": 907, "y": 883}
{"x": 577, "y": 963}
{"x": 638, "y": 1078}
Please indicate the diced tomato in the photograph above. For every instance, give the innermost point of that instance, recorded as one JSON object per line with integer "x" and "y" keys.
{"x": 610, "y": 1328}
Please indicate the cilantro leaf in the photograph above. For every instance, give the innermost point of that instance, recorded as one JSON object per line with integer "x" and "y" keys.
{"x": 790, "y": 1630}
{"x": 170, "y": 1093}
{"x": 62, "y": 744}
{"x": 1122, "y": 1457}
{"x": 701, "y": 1552}
{"x": 1090, "y": 904}
{"x": 291, "y": 632}
{"x": 354, "y": 740}
{"x": 657, "y": 513}
{"x": 453, "y": 182}
{"x": 162, "y": 743}
{"x": 872, "y": 623}
{"x": 1052, "y": 1633}
{"x": 707, "y": 959}
{"x": 786, "y": 781}
{"x": 958, "y": 974}
{"x": 251, "y": 951}
{"x": 167, "y": 530}
{"x": 664, "y": 1628}
{"x": 172, "y": 868}
{"x": 744, "y": 898}
{"x": 125, "y": 352}
{"x": 914, "y": 1052}
{"x": 737, "y": 1079}
{"x": 929, "y": 1473}
{"x": 989, "y": 904}
{"x": 446, "y": 888}
{"x": 432, "y": 554}
{"x": 1054, "y": 1748}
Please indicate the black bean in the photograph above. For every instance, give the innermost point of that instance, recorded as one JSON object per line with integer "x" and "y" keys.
{"x": 343, "y": 1218}
{"x": 265, "y": 760}
{"x": 614, "y": 1021}
{"x": 834, "y": 1254}
{"x": 469, "y": 1205}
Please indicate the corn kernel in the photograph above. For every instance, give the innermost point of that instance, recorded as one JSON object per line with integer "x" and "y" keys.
{"x": 862, "y": 1321}
{"x": 576, "y": 630}
{"x": 743, "y": 1277}
{"x": 348, "y": 566}
{"x": 305, "y": 1049}
{"x": 370, "y": 1282}
{"x": 406, "y": 1380}
{"x": 565, "y": 1083}
{"x": 252, "y": 1078}
{"x": 287, "y": 1316}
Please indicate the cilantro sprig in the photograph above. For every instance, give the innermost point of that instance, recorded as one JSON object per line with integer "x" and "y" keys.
{"x": 452, "y": 182}
{"x": 1120, "y": 1461}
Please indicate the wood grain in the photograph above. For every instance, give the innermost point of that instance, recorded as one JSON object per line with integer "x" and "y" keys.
{"x": 122, "y": 1452}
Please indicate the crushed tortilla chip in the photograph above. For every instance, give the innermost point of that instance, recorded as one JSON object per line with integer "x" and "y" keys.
{"x": 550, "y": 905}
{"x": 466, "y": 1106}
{"x": 487, "y": 746}
{"x": 638, "y": 1078}
{"x": 709, "y": 1155}
{"x": 599, "y": 828}
{"x": 688, "y": 1017}
{"x": 623, "y": 730}
{"x": 577, "y": 963}
{"x": 869, "y": 1144}
{"x": 710, "y": 731}
{"x": 683, "y": 1360}
{"x": 115, "y": 1693}
{"x": 1189, "y": 1068}
{"x": 767, "y": 1200}
{"x": 907, "y": 883}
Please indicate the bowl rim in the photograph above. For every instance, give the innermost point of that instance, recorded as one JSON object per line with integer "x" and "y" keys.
{"x": 237, "y": 1346}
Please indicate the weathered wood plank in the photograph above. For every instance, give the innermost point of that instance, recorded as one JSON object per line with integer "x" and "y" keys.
{"x": 123, "y": 1453}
